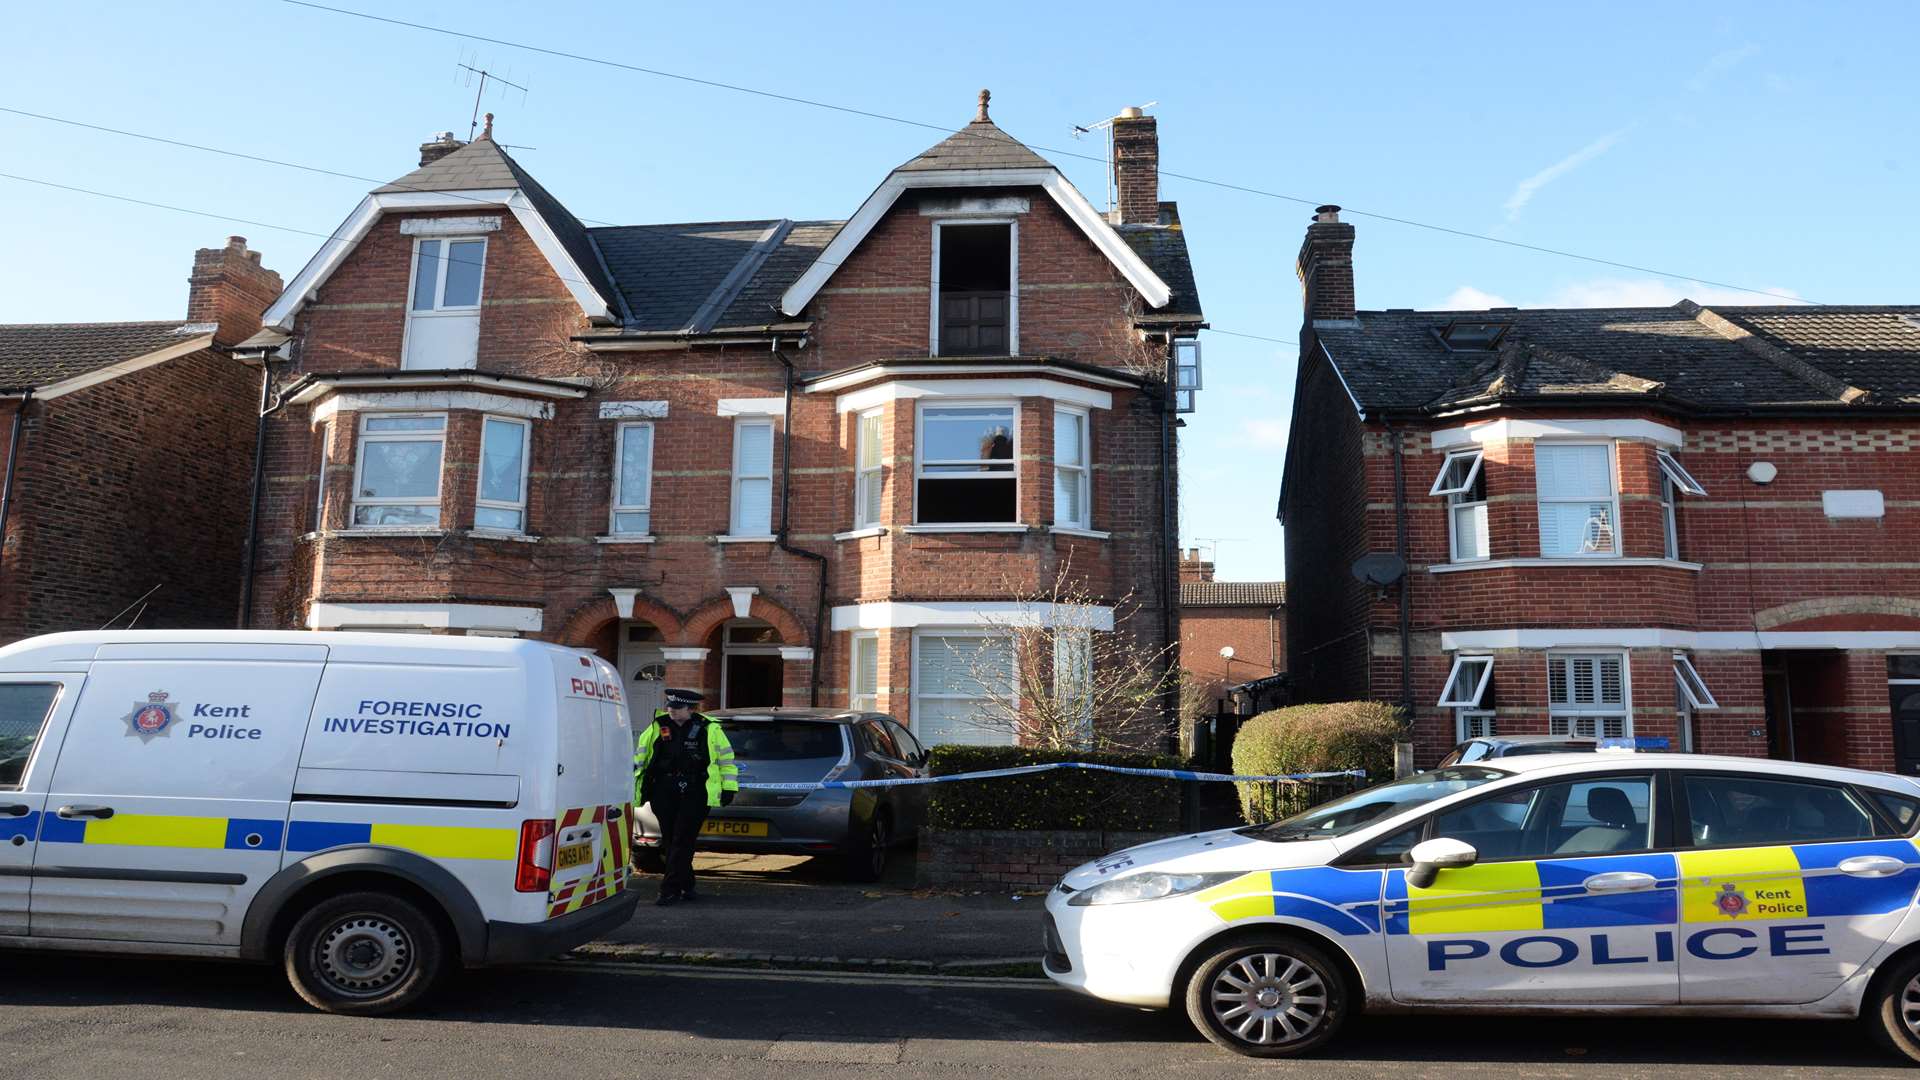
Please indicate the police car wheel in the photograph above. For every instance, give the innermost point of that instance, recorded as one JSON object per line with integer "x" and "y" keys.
{"x": 1270, "y": 998}
{"x": 364, "y": 954}
{"x": 1893, "y": 1012}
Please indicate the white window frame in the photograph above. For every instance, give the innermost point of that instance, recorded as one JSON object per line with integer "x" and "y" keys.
{"x": 1458, "y": 500}
{"x": 1012, "y": 405}
{"x": 1675, "y": 480}
{"x": 440, "y": 277}
{"x": 1574, "y": 713}
{"x": 480, "y": 479}
{"x": 1613, "y": 484}
{"x": 614, "y": 506}
{"x": 868, "y": 701}
{"x": 1013, "y": 674}
{"x": 1682, "y": 479}
{"x": 868, "y": 478}
{"x": 741, "y": 424}
{"x": 366, "y": 438}
{"x": 326, "y": 459}
{"x": 1693, "y": 688}
{"x": 1013, "y": 280}
{"x": 1474, "y": 724}
{"x": 1084, "y": 471}
{"x": 1440, "y": 485}
{"x": 1073, "y": 679}
{"x": 1455, "y": 696}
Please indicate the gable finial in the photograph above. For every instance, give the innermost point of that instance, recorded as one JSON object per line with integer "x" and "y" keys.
{"x": 487, "y": 132}
{"x": 981, "y": 116}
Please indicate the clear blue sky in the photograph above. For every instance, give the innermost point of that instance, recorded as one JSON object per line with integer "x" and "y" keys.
{"x": 1769, "y": 145}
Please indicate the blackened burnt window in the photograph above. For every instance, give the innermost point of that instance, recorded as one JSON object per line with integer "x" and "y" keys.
{"x": 974, "y": 290}
{"x": 966, "y": 465}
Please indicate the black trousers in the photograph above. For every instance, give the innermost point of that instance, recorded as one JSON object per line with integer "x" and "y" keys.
{"x": 680, "y": 813}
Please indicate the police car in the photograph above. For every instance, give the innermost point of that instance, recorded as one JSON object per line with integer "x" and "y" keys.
{"x": 1683, "y": 884}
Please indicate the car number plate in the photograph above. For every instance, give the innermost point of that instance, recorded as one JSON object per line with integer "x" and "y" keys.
{"x": 572, "y": 855}
{"x": 734, "y": 828}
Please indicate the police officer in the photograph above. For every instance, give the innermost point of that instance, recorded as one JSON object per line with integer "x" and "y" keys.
{"x": 684, "y": 767}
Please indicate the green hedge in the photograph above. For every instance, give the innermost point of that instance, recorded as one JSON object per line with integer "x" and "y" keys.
{"x": 1060, "y": 799}
{"x": 1328, "y": 737}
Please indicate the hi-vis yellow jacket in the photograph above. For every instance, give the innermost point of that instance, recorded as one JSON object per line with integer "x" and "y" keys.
{"x": 722, "y": 773}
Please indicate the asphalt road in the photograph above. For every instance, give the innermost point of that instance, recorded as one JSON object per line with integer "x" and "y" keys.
{"x": 94, "y": 1018}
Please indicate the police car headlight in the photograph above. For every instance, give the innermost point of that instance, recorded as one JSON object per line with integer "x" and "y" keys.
{"x": 1148, "y": 886}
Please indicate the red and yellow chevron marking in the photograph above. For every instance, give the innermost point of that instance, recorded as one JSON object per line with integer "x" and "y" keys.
{"x": 608, "y": 878}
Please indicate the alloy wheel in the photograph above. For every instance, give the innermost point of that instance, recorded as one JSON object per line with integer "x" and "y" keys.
{"x": 1270, "y": 998}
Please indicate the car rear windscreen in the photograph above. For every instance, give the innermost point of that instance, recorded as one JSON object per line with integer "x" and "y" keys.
{"x": 782, "y": 740}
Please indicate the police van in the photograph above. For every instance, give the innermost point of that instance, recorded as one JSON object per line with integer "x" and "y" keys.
{"x": 1682, "y": 884}
{"x": 368, "y": 810}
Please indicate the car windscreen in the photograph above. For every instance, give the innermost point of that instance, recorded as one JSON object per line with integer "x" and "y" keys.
{"x": 783, "y": 740}
{"x": 1362, "y": 808}
{"x": 1523, "y": 749}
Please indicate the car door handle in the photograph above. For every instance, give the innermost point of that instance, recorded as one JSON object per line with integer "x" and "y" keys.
{"x": 1620, "y": 881}
{"x": 18, "y": 809}
{"x": 1872, "y": 866}
{"x": 99, "y": 812}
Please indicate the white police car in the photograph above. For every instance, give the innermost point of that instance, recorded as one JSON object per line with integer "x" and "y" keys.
{"x": 1685, "y": 884}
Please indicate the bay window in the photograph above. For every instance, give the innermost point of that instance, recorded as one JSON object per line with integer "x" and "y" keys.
{"x": 1072, "y": 507}
{"x": 863, "y": 687}
{"x": 396, "y": 479}
{"x": 1464, "y": 484}
{"x": 1579, "y": 507}
{"x": 960, "y": 680}
{"x": 1674, "y": 480}
{"x": 501, "y": 503}
{"x": 1587, "y": 695}
{"x": 869, "y": 455}
{"x": 964, "y": 464}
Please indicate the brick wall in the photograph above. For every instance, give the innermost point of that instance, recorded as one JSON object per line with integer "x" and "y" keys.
{"x": 1027, "y": 861}
{"x": 1258, "y": 636}
{"x": 1328, "y": 526}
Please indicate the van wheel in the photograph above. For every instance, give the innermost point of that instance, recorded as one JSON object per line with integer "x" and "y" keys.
{"x": 1892, "y": 1012}
{"x": 866, "y": 858}
{"x": 364, "y": 954}
{"x": 1274, "y": 998}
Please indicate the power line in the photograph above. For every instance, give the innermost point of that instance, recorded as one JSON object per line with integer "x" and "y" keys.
{"x": 1057, "y": 151}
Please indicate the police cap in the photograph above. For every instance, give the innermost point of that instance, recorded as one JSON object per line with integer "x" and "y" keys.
{"x": 684, "y": 698}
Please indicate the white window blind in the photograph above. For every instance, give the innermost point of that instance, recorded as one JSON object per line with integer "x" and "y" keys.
{"x": 1474, "y": 724}
{"x": 1070, "y": 487}
{"x": 1073, "y": 677}
{"x": 752, "y": 477}
{"x": 633, "y": 480}
{"x": 1587, "y": 695}
{"x": 325, "y": 434}
{"x": 864, "y": 688}
{"x": 1578, "y": 510}
{"x": 951, "y": 701}
{"x": 867, "y": 485}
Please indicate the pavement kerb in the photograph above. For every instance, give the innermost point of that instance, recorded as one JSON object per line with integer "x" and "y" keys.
{"x": 976, "y": 967}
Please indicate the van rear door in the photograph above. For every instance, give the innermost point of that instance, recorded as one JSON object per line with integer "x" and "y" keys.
{"x": 168, "y": 804}
{"x": 590, "y": 831}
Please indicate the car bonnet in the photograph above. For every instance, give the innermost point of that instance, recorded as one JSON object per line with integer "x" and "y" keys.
{"x": 1208, "y": 852}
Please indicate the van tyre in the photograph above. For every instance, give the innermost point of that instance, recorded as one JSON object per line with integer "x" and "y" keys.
{"x": 866, "y": 858}
{"x": 364, "y": 954}
{"x": 1892, "y": 1011}
{"x": 1272, "y": 997}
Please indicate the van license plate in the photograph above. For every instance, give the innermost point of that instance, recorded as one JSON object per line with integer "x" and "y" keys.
{"x": 734, "y": 828}
{"x": 572, "y": 855}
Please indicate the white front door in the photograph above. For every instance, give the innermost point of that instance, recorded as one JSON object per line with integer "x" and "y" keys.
{"x": 643, "y": 671}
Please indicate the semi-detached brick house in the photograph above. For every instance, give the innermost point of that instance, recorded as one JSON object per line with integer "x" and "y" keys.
{"x": 1689, "y": 523}
{"x": 788, "y": 462}
{"x": 1249, "y": 617}
{"x": 128, "y": 450}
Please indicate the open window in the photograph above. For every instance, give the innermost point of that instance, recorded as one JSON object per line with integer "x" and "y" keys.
{"x": 1464, "y": 485}
{"x": 1693, "y": 689}
{"x": 975, "y": 311}
{"x": 1675, "y": 480}
{"x": 1458, "y": 474}
{"x": 1682, "y": 480}
{"x": 1467, "y": 682}
{"x": 965, "y": 465}
{"x": 1186, "y": 373}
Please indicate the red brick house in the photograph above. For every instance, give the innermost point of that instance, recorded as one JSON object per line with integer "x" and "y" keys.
{"x": 1691, "y": 524}
{"x": 789, "y": 462}
{"x": 128, "y": 453}
{"x": 1249, "y": 617}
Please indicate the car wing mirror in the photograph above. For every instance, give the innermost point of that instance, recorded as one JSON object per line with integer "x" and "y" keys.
{"x": 1432, "y": 856}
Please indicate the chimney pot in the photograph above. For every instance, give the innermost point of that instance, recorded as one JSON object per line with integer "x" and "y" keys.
{"x": 1136, "y": 167}
{"x": 1328, "y": 213}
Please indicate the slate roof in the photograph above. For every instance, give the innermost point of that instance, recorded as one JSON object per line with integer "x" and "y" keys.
{"x": 1163, "y": 248}
{"x": 41, "y": 354}
{"x": 1267, "y": 594}
{"x": 1685, "y": 356}
{"x": 979, "y": 145}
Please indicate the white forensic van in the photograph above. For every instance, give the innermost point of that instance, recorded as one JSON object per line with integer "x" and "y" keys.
{"x": 369, "y": 810}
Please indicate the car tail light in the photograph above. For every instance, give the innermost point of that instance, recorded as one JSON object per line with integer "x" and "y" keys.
{"x": 533, "y": 873}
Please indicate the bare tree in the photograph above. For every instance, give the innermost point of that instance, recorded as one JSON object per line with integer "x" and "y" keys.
{"x": 1052, "y": 675}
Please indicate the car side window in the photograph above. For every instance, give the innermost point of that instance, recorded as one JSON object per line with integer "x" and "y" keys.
{"x": 23, "y": 713}
{"x": 1900, "y": 809}
{"x": 1732, "y": 810}
{"x": 1472, "y": 751}
{"x": 1602, "y": 816}
{"x": 879, "y": 740}
{"x": 909, "y": 746}
{"x": 1388, "y": 851}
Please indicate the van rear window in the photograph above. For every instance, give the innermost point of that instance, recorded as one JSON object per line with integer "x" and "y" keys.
{"x": 782, "y": 740}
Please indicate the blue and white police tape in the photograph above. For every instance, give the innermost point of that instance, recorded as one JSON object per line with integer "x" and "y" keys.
{"x": 1028, "y": 770}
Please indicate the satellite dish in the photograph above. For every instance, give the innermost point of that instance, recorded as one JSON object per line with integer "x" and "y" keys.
{"x": 1380, "y": 569}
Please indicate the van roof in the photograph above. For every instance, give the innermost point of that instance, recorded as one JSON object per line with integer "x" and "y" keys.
{"x": 52, "y": 652}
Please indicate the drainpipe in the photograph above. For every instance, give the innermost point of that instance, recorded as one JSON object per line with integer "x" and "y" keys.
{"x": 13, "y": 458}
{"x": 786, "y": 501}
{"x": 1406, "y": 575}
{"x": 267, "y": 408}
{"x": 1171, "y": 737}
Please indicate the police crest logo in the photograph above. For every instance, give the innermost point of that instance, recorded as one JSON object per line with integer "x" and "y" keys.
{"x": 151, "y": 718}
{"x": 1731, "y": 901}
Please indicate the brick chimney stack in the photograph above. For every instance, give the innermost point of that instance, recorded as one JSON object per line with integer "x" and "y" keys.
{"x": 1136, "y": 167}
{"x": 229, "y": 287}
{"x": 443, "y": 144}
{"x": 1193, "y": 567}
{"x": 1325, "y": 266}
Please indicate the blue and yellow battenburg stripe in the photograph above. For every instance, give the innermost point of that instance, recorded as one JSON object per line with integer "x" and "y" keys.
{"x": 1783, "y": 882}
{"x": 267, "y": 834}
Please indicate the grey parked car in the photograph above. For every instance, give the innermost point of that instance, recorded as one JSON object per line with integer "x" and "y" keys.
{"x": 806, "y": 746}
{"x": 1484, "y": 747}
